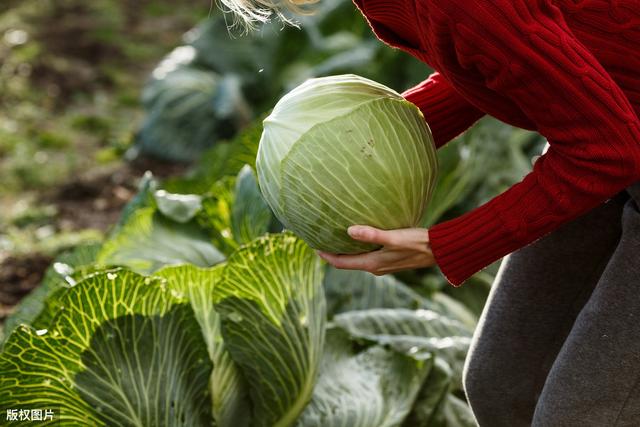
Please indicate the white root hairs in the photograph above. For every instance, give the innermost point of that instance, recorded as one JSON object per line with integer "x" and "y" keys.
{"x": 251, "y": 12}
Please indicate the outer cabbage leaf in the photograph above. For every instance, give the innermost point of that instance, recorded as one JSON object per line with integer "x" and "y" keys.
{"x": 94, "y": 365}
{"x": 372, "y": 388}
{"x": 64, "y": 272}
{"x": 215, "y": 216}
{"x": 423, "y": 335}
{"x": 348, "y": 290}
{"x": 273, "y": 322}
{"x": 149, "y": 241}
{"x": 228, "y": 389}
{"x": 234, "y": 212}
{"x": 419, "y": 333}
{"x": 251, "y": 217}
{"x": 428, "y": 407}
{"x": 358, "y": 290}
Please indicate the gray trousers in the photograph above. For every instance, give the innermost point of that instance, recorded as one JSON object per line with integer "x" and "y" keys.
{"x": 558, "y": 342}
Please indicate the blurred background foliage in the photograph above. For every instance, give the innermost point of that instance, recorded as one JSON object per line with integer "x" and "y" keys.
{"x": 95, "y": 93}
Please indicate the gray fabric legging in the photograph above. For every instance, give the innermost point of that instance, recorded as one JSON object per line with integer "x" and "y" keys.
{"x": 558, "y": 342}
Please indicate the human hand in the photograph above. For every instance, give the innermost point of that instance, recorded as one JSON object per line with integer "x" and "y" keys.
{"x": 402, "y": 249}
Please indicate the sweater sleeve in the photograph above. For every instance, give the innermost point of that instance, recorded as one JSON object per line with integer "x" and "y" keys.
{"x": 446, "y": 112}
{"x": 524, "y": 51}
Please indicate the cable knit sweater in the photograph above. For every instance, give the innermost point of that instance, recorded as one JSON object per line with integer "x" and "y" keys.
{"x": 569, "y": 69}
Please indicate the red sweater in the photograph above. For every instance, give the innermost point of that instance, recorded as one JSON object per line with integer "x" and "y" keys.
{"x": 565, "y": 68}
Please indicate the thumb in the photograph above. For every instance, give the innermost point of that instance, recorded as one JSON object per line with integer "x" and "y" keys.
{"x": 367, "y": 234}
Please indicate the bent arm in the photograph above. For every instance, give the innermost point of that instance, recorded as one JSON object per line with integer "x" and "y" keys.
{"x": 524, "y": 50}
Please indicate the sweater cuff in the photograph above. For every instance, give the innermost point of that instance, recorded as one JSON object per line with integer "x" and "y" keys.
{"x": 467, "y": 244}
{"x": 446, "y": 112}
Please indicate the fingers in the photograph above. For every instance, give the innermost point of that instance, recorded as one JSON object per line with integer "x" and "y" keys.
{"x": 380, "y": 262}
{"x": 364, "y": 233}
{"x": 366, "y": 262}
{"x": 415, "y": 238}
{"x": 374, "y": 262}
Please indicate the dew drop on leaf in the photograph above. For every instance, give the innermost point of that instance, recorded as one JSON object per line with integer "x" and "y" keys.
{"x": 426, "y": 314}
{"x": 62, "y": 269}
{"x": 41, "y": 332}
{"x": 235, "y": 317}
{"x": 112, "y": 276}
{"x": 304, "y": 321}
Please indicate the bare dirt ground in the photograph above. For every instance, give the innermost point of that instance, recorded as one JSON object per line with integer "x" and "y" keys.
{"x": 90, "y": 201}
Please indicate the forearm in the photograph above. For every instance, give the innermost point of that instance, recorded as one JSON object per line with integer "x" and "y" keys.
{"x": 592, "y": 129}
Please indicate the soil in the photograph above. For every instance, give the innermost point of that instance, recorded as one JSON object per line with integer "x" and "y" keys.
{"x": 96, "y": 199}
{"x": 91, "y": 201}
{"x": 18, "y": 276}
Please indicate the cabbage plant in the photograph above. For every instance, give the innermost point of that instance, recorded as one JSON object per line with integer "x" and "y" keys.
{"x": 209, "y": 320}
{"x": 344, "y": 150}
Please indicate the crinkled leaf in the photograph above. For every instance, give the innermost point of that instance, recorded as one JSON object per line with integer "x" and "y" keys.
{"x": 273, "y": 322}
{"x": 149, "y": 241}
{"x": 123, "y": 351}
{"x": 228, "y": 388}
{"x": 375, "y": 387}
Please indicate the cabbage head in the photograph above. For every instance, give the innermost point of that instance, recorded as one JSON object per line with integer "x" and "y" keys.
{"x": 343, "y": 150}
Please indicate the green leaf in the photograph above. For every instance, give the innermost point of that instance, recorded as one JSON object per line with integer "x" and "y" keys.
{"x": 65, "y": 271}
{"x": 380, "y": 322}
{"x": 123, "y": 351}
{"x": 454, "y": 309}
{"x": 348, "y": 290}
{"x": 454, "y": 181}
{"x": 430, "y": 401}
{"x": 250, "y": 215}
{"x": 372, "y": 388}
{"x": 149, "y": 241}
{"x": 143, "y": 199}
{"x": 181, "y": 208}
{"x": 223, "y": 160}
{"x": 228, "y": 388}
{"x": 456, "y": 412}
{"x": 189, "y": 109}
{"x": 273, "y": 322}
{"x": 215, "y": 216}
{"x": 419, "y": 333}
{"x": 234, "y": 212}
